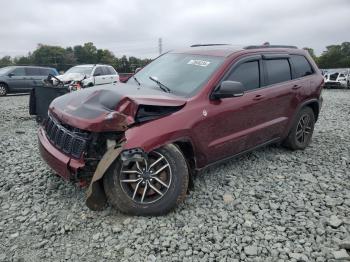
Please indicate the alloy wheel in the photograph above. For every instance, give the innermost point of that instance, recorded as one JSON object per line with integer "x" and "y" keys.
{"x": 3, "y": 90}
{"x": 304, "y": 129}
{"x": 146, "y": 181}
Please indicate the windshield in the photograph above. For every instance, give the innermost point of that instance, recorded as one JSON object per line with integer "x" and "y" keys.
{"x": 4, "y": 70}
{"x": 183, "y": 74}
{"x": 85, "y": 70}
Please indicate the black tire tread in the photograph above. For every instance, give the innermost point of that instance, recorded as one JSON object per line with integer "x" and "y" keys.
{"x": 118, "y": 199}
{"x": 290, "y": 142}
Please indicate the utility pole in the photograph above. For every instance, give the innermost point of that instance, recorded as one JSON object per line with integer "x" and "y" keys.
{"x": 160, "y": 46}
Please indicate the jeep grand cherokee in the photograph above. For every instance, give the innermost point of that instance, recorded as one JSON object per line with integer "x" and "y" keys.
{"x": 137, "y": 144}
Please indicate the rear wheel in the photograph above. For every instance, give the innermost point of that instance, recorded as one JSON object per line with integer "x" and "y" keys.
{"x": 3, "y": 89}
{"x": 152, "y": 186}
{"x": 301, "y": 132}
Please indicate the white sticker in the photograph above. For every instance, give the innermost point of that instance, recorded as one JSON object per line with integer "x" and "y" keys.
{"x": 198, "y": 63}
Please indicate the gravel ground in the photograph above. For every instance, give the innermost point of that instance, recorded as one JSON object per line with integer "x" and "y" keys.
{"x": 269, "y": 205}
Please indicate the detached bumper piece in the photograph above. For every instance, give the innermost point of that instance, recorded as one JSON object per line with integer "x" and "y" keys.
{"x": 71, "y": 142}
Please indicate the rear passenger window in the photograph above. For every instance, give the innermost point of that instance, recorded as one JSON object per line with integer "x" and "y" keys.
{"x": 106, "y": 71}
{"x": 301, "y": 66}
{"x": 248, "y": 74}
{"x": 112, "y": 71}
{"x": 32, "y": 71}
{"x": 278, "y": 70}
{"x": 44, "y": 71}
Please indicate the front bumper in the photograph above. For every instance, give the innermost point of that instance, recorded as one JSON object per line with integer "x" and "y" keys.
{"x": 63, "y": 165}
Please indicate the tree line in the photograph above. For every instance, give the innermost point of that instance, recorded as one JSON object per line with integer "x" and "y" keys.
{"x": 335, "y": 56}
{"x": 64, "y": 58}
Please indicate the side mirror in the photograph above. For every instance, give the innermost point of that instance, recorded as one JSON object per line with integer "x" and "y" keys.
{"x": 228, "y": 89}
{"x": 138, "y": 69}
{"x": 11, "y": 74}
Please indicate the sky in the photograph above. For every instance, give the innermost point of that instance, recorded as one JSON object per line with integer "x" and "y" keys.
{"x": 133, "y": 27}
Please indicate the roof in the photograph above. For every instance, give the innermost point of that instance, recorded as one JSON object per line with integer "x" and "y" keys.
{"x": 215, "y": 50}
{"x": 227, "y": 50}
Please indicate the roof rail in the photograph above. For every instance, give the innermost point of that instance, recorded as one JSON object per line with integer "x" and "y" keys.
{"x": 197, "y": 45}
{"x": 269, "y": 46}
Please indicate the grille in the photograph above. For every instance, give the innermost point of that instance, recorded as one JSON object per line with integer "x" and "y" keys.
{"x": 71, "y": 141}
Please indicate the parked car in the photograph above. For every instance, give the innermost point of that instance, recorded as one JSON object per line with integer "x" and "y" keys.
{"x": 140, "y": 143}
{"x": 19, "y": 79}
{"x": 123, "y": 77}
{"x": 337, "y": 80}
{"x": 90, "y": 75}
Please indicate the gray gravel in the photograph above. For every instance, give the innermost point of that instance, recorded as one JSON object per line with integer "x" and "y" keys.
{"x": 269, "y": 205}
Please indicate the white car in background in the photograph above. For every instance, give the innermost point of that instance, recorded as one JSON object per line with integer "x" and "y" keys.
{"x": 337, "y": 79}
{"x": 90, "y": 75}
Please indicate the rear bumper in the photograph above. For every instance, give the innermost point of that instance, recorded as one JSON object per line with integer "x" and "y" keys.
{"x": 62, "y": 164}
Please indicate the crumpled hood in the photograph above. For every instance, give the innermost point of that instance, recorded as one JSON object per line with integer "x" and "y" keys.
{"x": 113, "y": 107}
{"x": 71, "y": 77}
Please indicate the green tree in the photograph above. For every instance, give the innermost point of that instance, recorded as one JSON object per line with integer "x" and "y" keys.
{"x": 336, "y": 56}
{"x": 6, "y": 61}
{"x": 311, "y": 53}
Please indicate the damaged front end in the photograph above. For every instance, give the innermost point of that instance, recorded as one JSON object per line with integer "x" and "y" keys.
{"x": 85, "y": 133}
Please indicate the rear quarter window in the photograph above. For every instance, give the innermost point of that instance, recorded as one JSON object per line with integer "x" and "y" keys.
{"x": 277, "y": 70}
{"x": 301, "y": 66}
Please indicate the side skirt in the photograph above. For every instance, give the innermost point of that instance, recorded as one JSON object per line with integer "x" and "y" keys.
{"x": 275, "y": 140}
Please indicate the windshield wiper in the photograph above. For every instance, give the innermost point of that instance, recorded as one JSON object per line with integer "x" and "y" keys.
{"x": 137, "y": 81}
{"x": 161, "y": 86}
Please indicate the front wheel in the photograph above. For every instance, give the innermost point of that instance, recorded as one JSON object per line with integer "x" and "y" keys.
{"x": 3, "y": 89}
{"x": 301, "y": 132}
{"x": 151, "y": 186}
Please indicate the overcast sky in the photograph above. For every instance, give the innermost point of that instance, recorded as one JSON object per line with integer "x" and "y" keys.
{"x": 132, "y": 27}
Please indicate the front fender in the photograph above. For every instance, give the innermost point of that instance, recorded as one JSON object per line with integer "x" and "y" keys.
{"x": 153, "y": 135}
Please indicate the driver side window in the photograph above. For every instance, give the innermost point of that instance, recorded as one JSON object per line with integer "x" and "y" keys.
{"x": 248, "y": 74}
{"x": 19, "y": 72}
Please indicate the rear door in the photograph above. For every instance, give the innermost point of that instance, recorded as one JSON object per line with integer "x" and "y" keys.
{"x": 111, "y": 74}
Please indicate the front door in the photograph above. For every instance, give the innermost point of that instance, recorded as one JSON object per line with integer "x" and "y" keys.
{"x": 17, "y": 80}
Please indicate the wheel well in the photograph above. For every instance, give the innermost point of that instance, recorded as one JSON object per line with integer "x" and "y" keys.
{"x": 6, "y": 85}
{"x": 315, "y": 108}
{"x": 187, "y": 150}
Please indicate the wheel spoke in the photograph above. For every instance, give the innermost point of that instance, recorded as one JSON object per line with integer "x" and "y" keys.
{"x": 160, "y": 182}
{"x": 131, "y": 180}
{"x": 156, "y": 162}
{"x": 144, "y": 192}
{"x": 155, "y": 189}
{"x": 160, "y": 169}
{"x": 136, "y": 188}
{"x": 138, "y": 166}
{"x": 131, "y": 172}
{"x": 299, "y": 133}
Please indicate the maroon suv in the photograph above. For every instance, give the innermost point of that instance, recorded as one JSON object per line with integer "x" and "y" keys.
{"x": 137, "y": 145}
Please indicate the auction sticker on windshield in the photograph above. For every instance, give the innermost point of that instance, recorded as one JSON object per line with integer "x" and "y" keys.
{"x": 198, "y": 62}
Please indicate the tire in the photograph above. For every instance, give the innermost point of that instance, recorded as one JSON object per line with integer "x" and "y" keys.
{"x": 299, "y": 136}
{"x": 3, "y": 89}
{"x": 131, "y": 198}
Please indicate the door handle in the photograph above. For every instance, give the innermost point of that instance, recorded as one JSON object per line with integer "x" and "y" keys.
{"x": 295, "y": 87}
{"x": 258, "y": 97}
